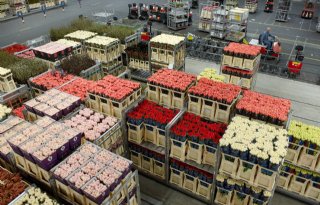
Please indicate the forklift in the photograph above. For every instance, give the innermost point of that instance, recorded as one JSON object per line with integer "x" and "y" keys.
{"x": 144, "y": 12}
{"x": 147, "y": 33}
{"x": 133, "y": 11}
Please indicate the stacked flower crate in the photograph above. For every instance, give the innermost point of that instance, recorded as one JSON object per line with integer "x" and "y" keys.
{"x": 169, "y": 87}
{"x": 264, "y": 108}
{"x": 138, "y": 56}
{"x": 206, "y": 17}
{"x": 301, "y": 172}
{"x": 107, "y": 50}
{"x": 53, "y": 103}
{"x": 193, "y": 148}
{"x": 52, "y": 53}
{"x": 240, "y": 63}
{"x": 213, "y": 100}
{"x": 252, "y": 154}
{"x": 147, "y": 136}
{"x": 111, "y": 95}
{"x": 7, "y": 83}
{"x": 80, "y": 36}
{"x": 76, "y": 46}
{"x": 165, "y": 50}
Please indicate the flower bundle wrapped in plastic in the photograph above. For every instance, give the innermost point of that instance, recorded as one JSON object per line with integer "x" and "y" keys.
{"x": 4, "y": 112}
{"x": 192, "y": 127}
{"x": 35, "y": 196}
{"x": 215, "y": 91}
{"x": 304, "y": 134}
{"x": 255, "y": 142}
{"x": 78, "y": 87}
{"x": 50, "y": 80}
{"x": 264, "y": 107}
{"x": 172, "y": 79}
{"x": 151, "y": 114}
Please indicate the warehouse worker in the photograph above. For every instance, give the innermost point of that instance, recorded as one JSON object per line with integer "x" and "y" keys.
{"x": 266, "y": 38}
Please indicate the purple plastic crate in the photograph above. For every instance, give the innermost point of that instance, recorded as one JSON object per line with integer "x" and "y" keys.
{"x": 75, "y": 142}
{"x": 48, "y": 162}
{"x": 67, "y": 110}
{"x": 62, "y": 180}
{"x": 15, "y": 148}
{"x": 74, "y": 187}
{"x": 38, "y": 112}
{"x": 64, "y": 151}
{"x": 4, "y": 157}
{"x": 100, "y": 198}
{"x": 28, "y": 156}
{"x": 57, "y": 116}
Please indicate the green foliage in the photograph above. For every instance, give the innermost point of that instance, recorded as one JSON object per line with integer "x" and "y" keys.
{"x": 22, "y": 69}
{"x": 77, "y": 63}
{"x": 113, "y": 31}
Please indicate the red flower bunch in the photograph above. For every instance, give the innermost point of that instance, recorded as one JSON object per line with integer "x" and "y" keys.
{"x": 27, "y": 54}
{"x": 216, "y": 91}
{"x": 172, "y": 79}
{"x": 266, "y": 105}
{"x": 50, "y": 80}
{"x": 78, "y": 87}
{"x": 237, "y": 72}
{"x": 15, "y": 48}
{"x": 18, "y": 112}
{"x": 193, "y": 126}
{"x": 152, "y": 111}
{"x": 239, "y": 48}
{"x": 115, "y": 88}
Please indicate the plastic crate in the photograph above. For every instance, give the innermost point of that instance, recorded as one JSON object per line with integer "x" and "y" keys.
{"x": 293, "y": 153}
{"x": 154, "y": 54}
{"x": 194, "y": 104}
{"x": 31, "y": 117}
{"x": 32, "y": 169}
{"x": 135, "y": 158}
{"x": 229, "y": 165}
{"x": 76, "y": 197}
{"x": 209, "y": 155}
{"x": 237, "y": 62}
{"x": 226, "y": 78}
{"x": 235, "y": 80}
{"x": 208, "y": 109}
{"x": 118, "y": 107}
{"x": 165, "y": 97}
{"x": 146, "y": 163}
{"x": 313, "y": 191}
{"x": 93, "y": 102}
{"x": 265, "y": 178}
{"x": 251, "y": 64}
{"x": 190, "y": 183}
{"x": 298, "y": 185}
{"x": 137, "y": 94}
{"x": 176, "y": 177}
{"x": 136, "y": 133}
{"x": 63, "y": 189}
{"x": 153, "y": 93}
{"x": 240, "y": 198}
{"x": 284, "y": 180}
{"x": 161, "y": 137}
{"x": 204, "y": 189}
{"x": 178, "y": 99}
{"x": 44, "y": 176}
{"x": 159, "y": 169}
{"x": 223, "y": 196}
{"x": 105, "y": 106}
{"x": 247, "y": 171}
{"x": 178, "y": 149}
{"x": 194, "y": 152}
{"x": 308, "y": 158}
{"x": 20, "y": 162}
{"x": 223, "y": 112}
{"x": 227, "y": 60}
{"x": 119, "y": 196}
{"x": 150, "y": 133}
{"x": 246, "y": 82}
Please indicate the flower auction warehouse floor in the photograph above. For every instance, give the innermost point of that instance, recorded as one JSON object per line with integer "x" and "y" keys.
{"x": 306, "y": 107}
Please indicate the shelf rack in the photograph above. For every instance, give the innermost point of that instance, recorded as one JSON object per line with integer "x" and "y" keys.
{"x": 230, "y": 4}
{"x": 220, "y": 23}
{"x": 252, "y": 5}
{"x": 206, "y": 19}
{"x": 238, "y": 22}
{"x": 282, "y": 12}
{"x": 178, "y": 14}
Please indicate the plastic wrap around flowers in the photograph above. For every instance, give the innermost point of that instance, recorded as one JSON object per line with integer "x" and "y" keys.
{"x": 259, "y": 196}
{"x": 151, "y": 114}
{"x": 305, "y": 135}
{"x": 216, "y": 91}
{"x": 192, "y": 127}
{"x": 50, "y": 80}
{"x": 78, "y": 87}
{"x": 4, "y": 112}
{"x": 297, "y": 171}
{"x": 264, "y": 107}
{"x": 172, "y": 79}
{"x": 255, "y": 142}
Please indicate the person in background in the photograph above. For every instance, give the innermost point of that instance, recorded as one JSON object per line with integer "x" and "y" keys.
{"x": 267, "y": 39}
